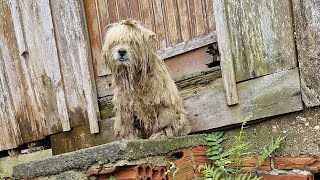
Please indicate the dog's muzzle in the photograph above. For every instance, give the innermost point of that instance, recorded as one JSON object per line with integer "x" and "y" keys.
{"x": 122, "y": 54}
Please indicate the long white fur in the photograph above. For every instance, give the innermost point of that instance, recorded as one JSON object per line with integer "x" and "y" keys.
{"x": 142, "y": 85}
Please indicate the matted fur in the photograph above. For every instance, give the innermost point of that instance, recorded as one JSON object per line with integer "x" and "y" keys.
{"x": 143, "y": 88}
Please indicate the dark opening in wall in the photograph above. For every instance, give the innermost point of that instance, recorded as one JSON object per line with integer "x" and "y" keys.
{"x": 317, "y": 176}
{"x": 214, "y": 51}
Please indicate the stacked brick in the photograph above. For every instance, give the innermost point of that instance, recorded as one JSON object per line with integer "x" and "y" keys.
{"x": 137, "y": 172}
{"x": 188, "y": 160}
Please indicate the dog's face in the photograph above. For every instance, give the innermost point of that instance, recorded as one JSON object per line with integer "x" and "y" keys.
{"x": 122, "y": 54}
{"x": 128, "y": 43}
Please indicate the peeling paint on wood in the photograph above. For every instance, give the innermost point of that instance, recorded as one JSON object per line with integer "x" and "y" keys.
{"x": 307, "y": 27}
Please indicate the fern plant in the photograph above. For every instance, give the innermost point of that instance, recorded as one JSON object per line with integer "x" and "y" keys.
{"x": 267, "y": 151}
{"x": 226, "y": 164}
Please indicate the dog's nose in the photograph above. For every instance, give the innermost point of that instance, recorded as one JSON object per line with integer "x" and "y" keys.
{"x": 122, "y": 52}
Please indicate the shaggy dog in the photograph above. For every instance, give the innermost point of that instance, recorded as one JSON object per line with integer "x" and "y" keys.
{"x": 143, "y": 88}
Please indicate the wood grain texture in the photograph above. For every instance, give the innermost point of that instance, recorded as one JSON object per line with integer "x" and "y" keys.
{"x": 10, "y": 102}
{"x": 160, "y": 26}
{"x": 266, "y": 96}
{"x": 261, "y": 35}
{"x": 225, "y": 49}
{"x": 307, "y": 28}
{"x": 174, "y": 21}
{"x": 184, "y": 18}
{"x": 42, "y": 66}
{"x": 75, "y": 63}
{"x": 188, "y": 46}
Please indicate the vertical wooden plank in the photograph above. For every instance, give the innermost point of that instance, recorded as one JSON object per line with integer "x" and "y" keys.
{"x": 172, "y": 22}
{"x": 200, "y": 24}
{"x": 75, "y": 62}
{"x": 261, "y": 34}
{"x": 92, "y": 19}
{"x": 103, "y": 17}
{"x": 227, "y": 66}
{"x": 307, "y": 28}
{"x": 112, "y": 11}
{"x": 123, "y": 9}
{"x": 210, "y": 15}
{"x": 9, "y": 129}
{"x": 184, "y": 20}
{"x": 160, "y": 24}
{"x": 134, "y": 9}
{"x": 147, "y": 16}
{"x": 192, "y": 17}
{"x": 43, "y": 67}
{"x": 9, "y": 82}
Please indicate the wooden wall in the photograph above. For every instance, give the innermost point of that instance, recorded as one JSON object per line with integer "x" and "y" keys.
{"x": 45, "y": 70}
{"x": 174, "y": 22}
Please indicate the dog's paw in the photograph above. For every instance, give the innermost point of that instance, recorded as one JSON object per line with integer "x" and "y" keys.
{"x": 158, "y": 135}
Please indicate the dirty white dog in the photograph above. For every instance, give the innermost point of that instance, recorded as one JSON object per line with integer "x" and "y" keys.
{"x": 143, "y": 88}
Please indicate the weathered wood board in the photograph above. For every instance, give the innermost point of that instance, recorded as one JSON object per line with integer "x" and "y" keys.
{"x": 261, "y": 36}
{"x": 307, "y": 29}
{"x": 225, "y": 49}
{"x": 75, "y": 63}
{"x": 11, "y": 96}
{"x": 41, "y": 67}
{"x": 262, "y": 97}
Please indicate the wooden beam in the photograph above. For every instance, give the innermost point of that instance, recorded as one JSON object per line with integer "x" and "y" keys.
{"x": 188, "y": 46}
{"x": 307, "y": 28}
{"x": 227, "y": 65}
{"x": 262, "y": 97}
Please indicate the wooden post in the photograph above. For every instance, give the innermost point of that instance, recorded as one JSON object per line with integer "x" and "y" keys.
{"x": 227, "y": 66}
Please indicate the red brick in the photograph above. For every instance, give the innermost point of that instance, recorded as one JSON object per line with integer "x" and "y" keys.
{"x": 92, "y": 172}
{"x": 126, "y": 173}
{"x": 249, "y": 164}
{"x": 184, "y": 163}
{"x": 309, "y": 164}
{"x": 158, "y": 173}
{"x": 287, "y": 177}
{"x": 199, "y": 155}
{"x": 199, "y": 151}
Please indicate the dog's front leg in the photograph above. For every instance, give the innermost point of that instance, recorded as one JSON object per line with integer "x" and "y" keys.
{"x": 124, "y": 126}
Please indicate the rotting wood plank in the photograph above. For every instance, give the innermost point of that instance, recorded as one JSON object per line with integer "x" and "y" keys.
{"x": 188, "y": 46}
{"x": 42, "y": 67}
{"x": 225, "y": 49}
{"x": 75, "y": 63}
{"x": 11, "y": 96}
{"x": 262, "y": 97}
{"x": 261, "y": 36}
{"x": 307, "y": 28}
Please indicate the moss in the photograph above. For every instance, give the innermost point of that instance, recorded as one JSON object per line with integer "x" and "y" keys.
{"x": 145, "y": 148}
{"x": 7, "y": 163}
